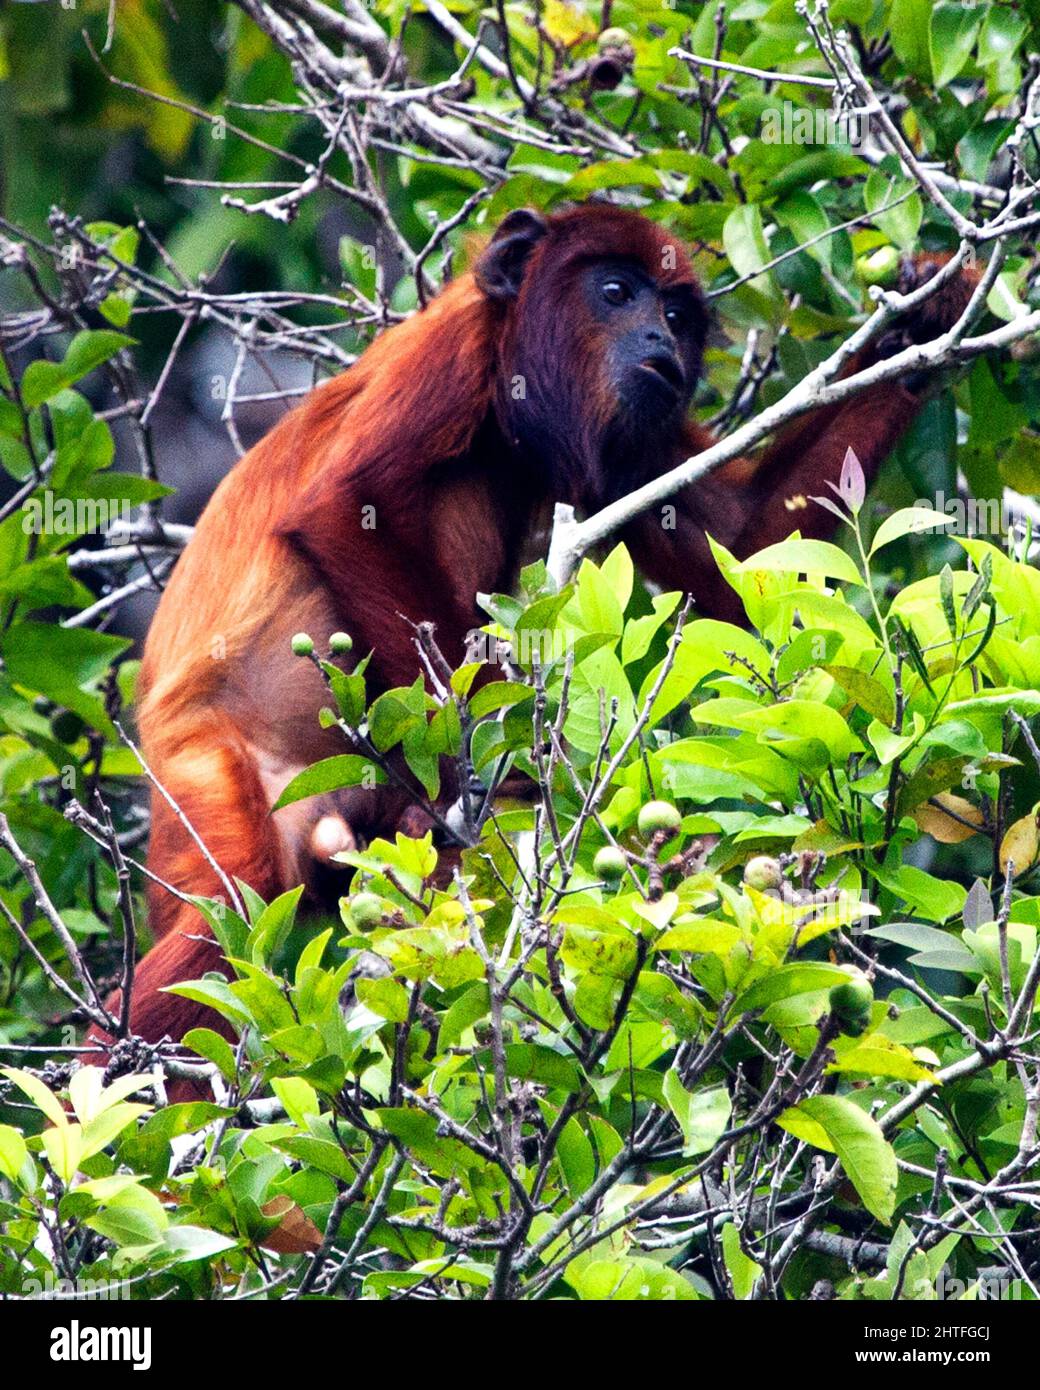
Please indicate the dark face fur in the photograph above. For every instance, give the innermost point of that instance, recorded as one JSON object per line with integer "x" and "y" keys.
{"x": 600, "y": 349}
{"x": 651, "y": 338}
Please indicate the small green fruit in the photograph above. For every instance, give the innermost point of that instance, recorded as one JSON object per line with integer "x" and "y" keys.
{"x": 658, "y": 815}
{"x": 615, "y": 37}
{"x": 609, "y": 863}
{"x": 366, "y": 909}
{"x": 880, "y": 267}
{"x": 340, "y": 643}
{"x": 856, "y": 1024}
{"x": 763, "y": 873}
{"x": 850, "y": 1003}
{"x": 302, "y": 644}
{"x": 66, "y": 726}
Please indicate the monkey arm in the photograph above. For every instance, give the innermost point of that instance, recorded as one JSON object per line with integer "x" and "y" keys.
{"x": 751, "y": 503}
{"x": 378, "y": 583}
{"x": 393, "y": 557}
{"x": 809, "y": 453}
{"x": 798, "y": 466}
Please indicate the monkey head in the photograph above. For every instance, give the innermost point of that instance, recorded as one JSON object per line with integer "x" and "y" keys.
{"x": 601, "y": 345}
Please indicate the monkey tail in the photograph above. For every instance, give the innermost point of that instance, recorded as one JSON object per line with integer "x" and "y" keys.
{"x": 211, "y": 774}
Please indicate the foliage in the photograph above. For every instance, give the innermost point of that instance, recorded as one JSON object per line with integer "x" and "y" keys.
{"x": 504, "y": 1072}
{"x": 479, "y": 1089}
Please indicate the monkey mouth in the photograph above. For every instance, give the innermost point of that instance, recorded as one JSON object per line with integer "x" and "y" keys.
{"x": 667, "y": 372}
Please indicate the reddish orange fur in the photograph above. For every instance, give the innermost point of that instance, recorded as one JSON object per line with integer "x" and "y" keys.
{"x": 227, "y": 715}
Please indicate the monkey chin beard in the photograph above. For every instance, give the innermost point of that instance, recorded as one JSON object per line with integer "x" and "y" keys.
{"x": 636, "y": 442}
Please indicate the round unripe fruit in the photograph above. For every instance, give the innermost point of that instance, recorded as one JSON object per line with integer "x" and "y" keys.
{"x": 302, "y": 644}
{"x": 855, "y": 1025}
{"x": 615, "y": 37}
{"x": 66, "y": 726}
{"x": 880, "y": 267}
{"x": 609, "y": 863}
{"x": 658, "y": 815}
{"x": 366, "y": 909}
{"x": 763, "y": 873}
{"x": 850, "y": 1004}
{"x": 340, "y": 643}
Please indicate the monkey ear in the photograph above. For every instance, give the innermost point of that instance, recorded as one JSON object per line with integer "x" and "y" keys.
{"x": 500, "y": 270}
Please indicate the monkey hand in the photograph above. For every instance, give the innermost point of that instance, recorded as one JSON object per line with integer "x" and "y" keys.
{"x": 331, "y": 835}
{"x": 936, "y": 315}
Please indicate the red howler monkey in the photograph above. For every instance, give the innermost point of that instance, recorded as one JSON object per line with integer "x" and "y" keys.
{"x": 562, "y": 367}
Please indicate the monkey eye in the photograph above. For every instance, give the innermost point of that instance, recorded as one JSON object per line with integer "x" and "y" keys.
{"x": 616, "y": 292}
{"x": 676, "y": 317}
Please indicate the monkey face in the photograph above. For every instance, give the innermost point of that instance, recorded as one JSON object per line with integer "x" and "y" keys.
{"x": 650, "y": 338}
{"x": 601, "y": 345}
{"x": 647, "y": 342}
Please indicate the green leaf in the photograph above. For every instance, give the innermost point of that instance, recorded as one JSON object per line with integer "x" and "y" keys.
{"x": 742, "y": 1270}
{"x": 639, "y": 632}
{"x": 542, "y": 1065}
{"x": 449, "y": 1158}
{"x": 660, "y": 997}
{"x": 321, "y": 1154}
{"x": 800, "y": 977}
{"x": 386, "y": 997}
{"x": 88, "y": 350}
{"x": 606, "y": 952}
{"x": 866, "y": 690}
{"x": 129, "y": 1225}
{"x": 392, "y": 715}
{"x": 273, "y": 926}
{"x": 299, "y": 1098}
{"x": 330, "y": 775}
{"x": 629, "y": 1280}
{"x": 951, "y": 39}
{"x": 1002, "y": 32}
{"x": 215, "y": 994}
{"x": 471, "y": 1005}
{"x": 807, "y": 719}
{"x": 596, "y": 601}
{"x": 596, "y": 999}
{"x": 804, "y": 557}
{"x": 13, "y": 1152}
{"x": 908, "y": 521}
{"x": 745, "y": 240}
{"x": 125, "y": 489}
{"x": 837, "y": 1125}
{"x": 103, "y": 1128}
{"x": 805, "y": 217}
{"x": 900, "y": 223}
{"x": 934, "y": 898}
{"x": 877, "y": 1055}
{"x": 44, "y": 583}
{"x": 577, "y": 1158}
{"x": 499, "y": 695}
{"x": 214, "y": 1048}
{"x": 59, "y": 662}
{"x": 186, "y": 1243}
{"x": 702, "y": 1115}
{"x": 63, "y": 1146}
{"x": 908, "y": 31}
{"x": 89, "y": 1098}
{"x": 40, "y": 1094}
